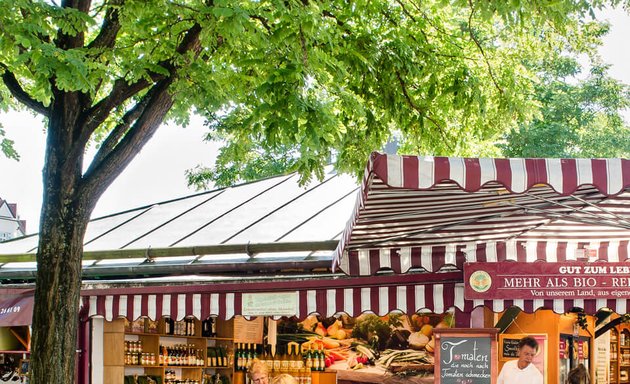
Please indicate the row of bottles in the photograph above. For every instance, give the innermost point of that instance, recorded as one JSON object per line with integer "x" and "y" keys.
{"x": 134, "y": 354}
{"x": 217, "y": 356}
{"x": 244, "y": 355}
{"x": 171, "y": 378}
{"x": 133, "y": 346}
{"x": 181, "y": 355}
{"x": 289, "y": 358}
{"x": 185, "y": 327}
{"x": 315, "y": 359}
{"x": 135, "y": 358}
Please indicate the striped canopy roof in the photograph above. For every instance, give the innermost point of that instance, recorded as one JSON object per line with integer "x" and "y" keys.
{"x": 438, "y": 292}
{"x": 427, "y": 212}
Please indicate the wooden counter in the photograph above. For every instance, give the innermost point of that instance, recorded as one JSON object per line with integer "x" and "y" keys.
{"x": 374, "y": 374}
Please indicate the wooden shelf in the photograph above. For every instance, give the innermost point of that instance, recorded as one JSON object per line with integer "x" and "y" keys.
{"x": 117, "y": 333}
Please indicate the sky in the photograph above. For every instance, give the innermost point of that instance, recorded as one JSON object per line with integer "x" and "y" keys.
{"x": 157, "y": 172}
{"x": 155, "y": 175}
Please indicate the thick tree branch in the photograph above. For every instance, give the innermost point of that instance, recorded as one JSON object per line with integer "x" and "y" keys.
{"x": 125, "y": 144}
{"x": 119, "y": 131}
{"x": 67, "y": 41}
{"x": 101, "y": 174}
{"x": 110, "y": 27}
{"x": 121, "y": 91}
{"x": 263, "y": 21}
{"x": 13, "y": 85}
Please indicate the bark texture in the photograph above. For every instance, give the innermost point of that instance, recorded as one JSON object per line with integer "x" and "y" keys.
{"x": 63, "y": 222}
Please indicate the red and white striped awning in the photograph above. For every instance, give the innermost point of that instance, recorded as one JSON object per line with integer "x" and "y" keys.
{"x": 437, "y": 292}
{"x": 428, "y": 212}
{"x": 409, "y": 293}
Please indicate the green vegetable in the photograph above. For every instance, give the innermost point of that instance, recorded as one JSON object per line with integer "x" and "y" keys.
{"x": 372, "y": 328}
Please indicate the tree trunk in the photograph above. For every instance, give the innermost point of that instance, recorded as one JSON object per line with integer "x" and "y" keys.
{"x": 69, "y": 198}
{"x": 64, "y": 219}
{"x": 55, "y": 316}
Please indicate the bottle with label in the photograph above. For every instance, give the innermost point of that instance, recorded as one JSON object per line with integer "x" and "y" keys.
{"x": 213, "y": 327}
{"x": 254, "y": 351}
{"x": 205, "y": 327}
{"x": 238, "y": 357}
{"x": 212, "y": 358}
{"x": 315, "y": 359}
{"x": 322, "y": 359}
{"x": 248, "y": 356}
{"x": 284, "y": 361}
{"x": 291, "y": 359}
{"x": 276, "y": 361}
{"x": 299, "y": 358}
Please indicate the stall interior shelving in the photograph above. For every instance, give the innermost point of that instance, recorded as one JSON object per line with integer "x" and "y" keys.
{"x": 614, "y": 357}
{"x": 177, "y": 352}
{"x": 620, "y": 355}
{"x": 172, "y": 351}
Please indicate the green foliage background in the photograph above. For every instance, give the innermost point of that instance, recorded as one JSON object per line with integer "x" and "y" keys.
{"x": 291, "y": 85}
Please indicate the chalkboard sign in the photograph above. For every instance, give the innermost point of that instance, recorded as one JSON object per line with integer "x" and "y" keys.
{"x": 466, "y": 356}
{"x": 509, "y": 349}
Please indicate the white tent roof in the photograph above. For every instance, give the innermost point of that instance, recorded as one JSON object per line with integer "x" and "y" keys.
{"x": 271, "y": 220}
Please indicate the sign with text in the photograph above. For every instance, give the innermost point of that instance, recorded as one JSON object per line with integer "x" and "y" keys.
{"x": 508, "y": 349}
{"x": 543, "y": 280}
{"x": 270, "y": 304}
{"x": 248, "y": 331}
{"x": 465, "y": 356}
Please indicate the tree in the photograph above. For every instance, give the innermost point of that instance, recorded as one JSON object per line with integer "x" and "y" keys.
{"x": 305, "y": 75}
{"x": 577, "y": 119}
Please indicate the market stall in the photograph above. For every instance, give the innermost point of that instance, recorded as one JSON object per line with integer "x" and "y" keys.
{"x": 350, "y": 296}
{"x": 435, "y": 213}
{"x": 416, "y": 226}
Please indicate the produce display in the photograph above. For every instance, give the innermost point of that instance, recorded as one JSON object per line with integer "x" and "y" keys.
{"x": 396, "y": 342}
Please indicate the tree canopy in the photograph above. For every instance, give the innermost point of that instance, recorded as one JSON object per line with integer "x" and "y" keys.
{"x": 304, "y": 77}
{"x": 576, "y": 119}
{"x": 448, "y": 78}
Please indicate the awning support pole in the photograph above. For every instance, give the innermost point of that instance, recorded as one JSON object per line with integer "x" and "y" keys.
{"x": 26, "y": 342}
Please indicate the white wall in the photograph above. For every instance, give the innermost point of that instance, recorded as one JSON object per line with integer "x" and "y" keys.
{"x": 96, "y": 346}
